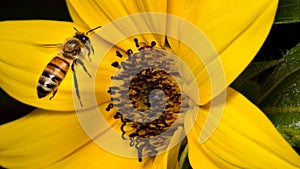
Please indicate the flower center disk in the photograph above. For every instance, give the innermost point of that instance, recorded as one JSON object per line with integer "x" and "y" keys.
{"x": 150, "y": 103}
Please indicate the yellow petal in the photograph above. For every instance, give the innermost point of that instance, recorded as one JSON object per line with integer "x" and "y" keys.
{"x": 237, "y": 29}
{"x": 49, "y": 139}
{"x": 24, "y": 56}
{"x": 248, "y": 26}
{"x": 40, "y": 139}
{"x": 92, "y": 13}
{"x": 244, "y": 138}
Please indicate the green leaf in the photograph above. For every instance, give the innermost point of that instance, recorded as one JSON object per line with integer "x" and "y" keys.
{"x": 285, "y": 97}
{"x": 282, "y": 106}
{"x": 280, "y": 98}
{"x": 288, "y": 12}
{"x": 255, "y": 69}
{"x": 290, "y": 65}
{"x": 288, "y": 124}
{"x": 250, "y": 88}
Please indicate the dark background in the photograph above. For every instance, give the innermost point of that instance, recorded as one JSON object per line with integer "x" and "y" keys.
{"x": 34, "y": 9}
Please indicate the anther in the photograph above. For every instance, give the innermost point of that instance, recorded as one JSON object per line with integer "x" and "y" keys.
{"x": 109, "y": 107}
{"x": 122, "y": 129}
{"x": 118, "y": 54}
{"x": 115, "y": 64}
{"x": 123, "y": 136}
{"x": 129, "y": 52}
{"x": 153, "y": 44}
{"x": 117, "y": 115}
{"x": 112, "y": 90}
{"x": 133, "y": 135}
{"x": 131, "y": 141}
{"x": 136, "y": 42}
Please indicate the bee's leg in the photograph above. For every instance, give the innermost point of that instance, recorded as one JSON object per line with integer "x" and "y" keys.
{"x": 54, "y": 93}
{"x": 90, "y": 49}
{"x": 76, "y": 83}
{"x": 83, "y": 66}
{"x": 89, "y": 52}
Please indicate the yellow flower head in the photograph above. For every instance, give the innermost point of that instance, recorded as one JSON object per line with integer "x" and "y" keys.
{"x": 160, "y": 72}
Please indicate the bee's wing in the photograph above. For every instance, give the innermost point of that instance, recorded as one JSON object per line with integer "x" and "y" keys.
{"x": 49, "y": 50}
{"x": 57, "y": 45}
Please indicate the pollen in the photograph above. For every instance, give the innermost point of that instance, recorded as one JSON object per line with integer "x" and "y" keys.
{"x": 146, "y": 92}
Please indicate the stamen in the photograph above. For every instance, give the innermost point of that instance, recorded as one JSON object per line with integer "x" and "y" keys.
{"x": 119, "y": 105}
{"x": 117, "y": 115}
{"x": 114, "y": 88}
{"x": 129, "y": 52}
{"x": 125, "y": 65}
{"x": 115, "y": 64}
{"x": 136, "y": 42}
{"x": 139, "y": 148}
{"x": 153, "y": 44}
{"x": 132, "y": 142}
{"x": 110, "y": 105}
{"x": 116, "y": 78}
{"x": 119, "y": 54}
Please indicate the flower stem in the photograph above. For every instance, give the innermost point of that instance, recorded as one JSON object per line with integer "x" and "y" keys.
{"x": 183, "y": 157}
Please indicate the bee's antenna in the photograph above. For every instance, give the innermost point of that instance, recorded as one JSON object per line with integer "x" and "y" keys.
{"x": 75, "y": 29}
{"x": 92, "y": 30}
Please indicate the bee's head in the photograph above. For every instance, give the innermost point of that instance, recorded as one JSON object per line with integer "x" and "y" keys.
{"x": 83, "y": 36}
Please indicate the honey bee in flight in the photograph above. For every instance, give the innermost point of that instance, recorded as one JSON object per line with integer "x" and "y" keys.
{"x": 71, "y": 52}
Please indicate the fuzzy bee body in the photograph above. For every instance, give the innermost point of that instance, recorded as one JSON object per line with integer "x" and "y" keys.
{"x": 71, "y": 52}
{"x": 52, "y": 75}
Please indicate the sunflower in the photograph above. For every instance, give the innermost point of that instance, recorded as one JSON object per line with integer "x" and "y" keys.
{"x": 173, "y": 58}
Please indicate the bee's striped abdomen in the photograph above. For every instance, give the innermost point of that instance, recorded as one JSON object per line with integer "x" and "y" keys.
{"x": 52, "y": 75}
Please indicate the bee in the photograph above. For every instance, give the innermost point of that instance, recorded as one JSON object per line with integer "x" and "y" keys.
{"x": 70, "y": 53}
